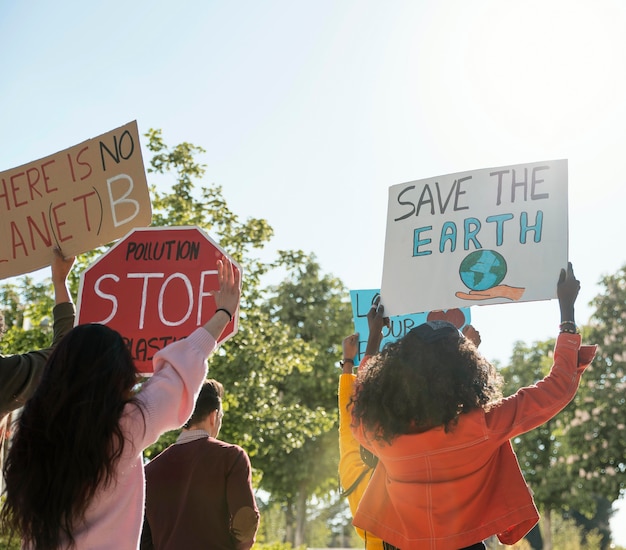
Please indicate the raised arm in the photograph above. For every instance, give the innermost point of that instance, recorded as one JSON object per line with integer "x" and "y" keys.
{"x": 531, "y": 406}
{"x": 20, "y": 374}
{"x": 226, "y": 298}
{"x": 567, "y": 289}
{"x": 61, "y": 268}
{"x": 471, "y": 334}
{"x": 350, "y": 347}
{"x": 181, "y": 367}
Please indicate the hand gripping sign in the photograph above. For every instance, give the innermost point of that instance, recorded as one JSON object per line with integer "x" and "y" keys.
{"x": 154, "y": 287}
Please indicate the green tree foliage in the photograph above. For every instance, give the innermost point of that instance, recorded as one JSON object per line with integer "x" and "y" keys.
{"x": 598, "y": 430}
{"x": 540, "y": 451}
{"x": 281, "y": 385}
{"x": 27, "y": 311}
{"x": 575, "y": 462}
{"x": 278, "y": 371}
{"x": 314, "y": 307}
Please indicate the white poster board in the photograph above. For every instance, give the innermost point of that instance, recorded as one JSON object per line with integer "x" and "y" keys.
{"x": 489, "y": 236}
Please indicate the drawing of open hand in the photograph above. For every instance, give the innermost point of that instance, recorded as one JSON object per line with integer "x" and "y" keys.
{"x": 498, "y": 291}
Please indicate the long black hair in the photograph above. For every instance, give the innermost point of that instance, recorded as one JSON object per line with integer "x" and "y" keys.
{"x": 68, "y": 438}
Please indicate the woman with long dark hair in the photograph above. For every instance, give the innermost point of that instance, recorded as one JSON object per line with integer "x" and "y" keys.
{"x": 74, "y": 473}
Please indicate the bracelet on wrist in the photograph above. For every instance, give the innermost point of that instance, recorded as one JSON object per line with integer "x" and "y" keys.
{"x": 346, "y": 360}
{"x": 230, "y": 315}
{"x": 569, "y": 327}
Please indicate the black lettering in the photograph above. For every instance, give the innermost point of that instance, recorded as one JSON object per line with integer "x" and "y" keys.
{"x": 117, "y": 152}
{"x": 442, "y": 207}
{"x": 400, "y": 195}
{"x": 536, "y": 182}
{"x": 499, "y": 173}
{"x": 459, "y": 193}
{"x": 522, "y": 183}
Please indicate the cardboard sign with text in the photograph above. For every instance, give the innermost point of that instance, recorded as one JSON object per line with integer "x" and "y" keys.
{"x": 490, "y": 236}
{"x": 77, "y": 199}
{"x": 399, "y": 325}
{"x": 154, "y": 286}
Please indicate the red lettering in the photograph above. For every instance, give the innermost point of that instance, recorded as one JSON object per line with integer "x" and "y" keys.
{"x": 80, "y": 162}
{"x": 37, "y": 233}
{"x": 78, "y": 159}
{"x": 15, "y": 188}
{"x": 46, "y": 177}
{"x": 69, "y": 161}
{"x": 59, "y": 223}
{"x": 5, "y": 194}
{"x": 32, "y": 228}
{"x": 85, "y": 209}
{"x": 17, "y": 240}
{"x": 32, "y": 184}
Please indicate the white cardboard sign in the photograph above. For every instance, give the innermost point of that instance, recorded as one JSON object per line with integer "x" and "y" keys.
{"x": 489, "y": 236}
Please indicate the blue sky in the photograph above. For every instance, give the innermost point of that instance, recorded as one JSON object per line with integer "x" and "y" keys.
{"x": 309, "y": 111}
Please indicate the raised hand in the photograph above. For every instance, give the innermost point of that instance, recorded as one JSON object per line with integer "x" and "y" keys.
{"x": 61, "y": 267}
{"x": 567, "y": 289}
{"x": 376, "y": 320}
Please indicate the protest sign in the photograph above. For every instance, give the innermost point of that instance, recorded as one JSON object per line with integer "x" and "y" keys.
{"x": 154, "y": 287}
{"x": 77, "y": 199}
{"x": 399, "y": 325}
{"x": 489, "y": 236}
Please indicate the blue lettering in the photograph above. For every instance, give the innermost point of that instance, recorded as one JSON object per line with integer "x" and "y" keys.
{"x": 472, "y": 227}
{"x": 448, "y": 233}
{"x": 499, "y": 220}
{"x": 417, "y": 242}
{"x": 524, "y": 228}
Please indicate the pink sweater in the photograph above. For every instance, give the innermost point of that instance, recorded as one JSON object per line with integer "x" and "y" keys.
{"x": 114, "y": 518}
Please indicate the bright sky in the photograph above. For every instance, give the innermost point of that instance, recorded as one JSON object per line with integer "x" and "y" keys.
{"x": 310, "y": 110}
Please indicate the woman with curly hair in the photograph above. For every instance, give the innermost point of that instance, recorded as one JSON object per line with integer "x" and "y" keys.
{"x": 429, "y": 406}
{"x": 74, "y": 472}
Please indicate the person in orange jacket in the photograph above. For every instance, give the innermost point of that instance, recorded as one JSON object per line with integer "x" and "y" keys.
{"x": 430, "y": 407}
{"x": 356, "y": 463}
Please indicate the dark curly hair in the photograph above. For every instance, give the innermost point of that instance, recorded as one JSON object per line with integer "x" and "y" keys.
{"x": 68, "y": 437}
{"x": 414, "y": 385}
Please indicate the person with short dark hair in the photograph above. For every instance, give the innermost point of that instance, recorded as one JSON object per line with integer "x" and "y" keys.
{"x": 199, "y": 490}
{"x": 429, "y": 407}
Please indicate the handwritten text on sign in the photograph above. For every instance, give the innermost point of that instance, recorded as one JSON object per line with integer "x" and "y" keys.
{"x": 399, "y": 325}
{"x": 487, "y": 236}
{"x": 155, "y": 286}
{"x": 77, "y": 199}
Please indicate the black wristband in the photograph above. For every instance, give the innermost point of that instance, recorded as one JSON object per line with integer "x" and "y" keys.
{"x": 569, "y": 327}
{"x": 230, "y": 315}
{"x": 346, "y": 360}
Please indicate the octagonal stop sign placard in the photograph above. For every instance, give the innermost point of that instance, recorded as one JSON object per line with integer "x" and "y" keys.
{"x": 154, "y": 286}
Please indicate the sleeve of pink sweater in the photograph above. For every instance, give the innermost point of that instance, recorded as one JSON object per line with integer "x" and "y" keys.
{"x": 169, "y": 396}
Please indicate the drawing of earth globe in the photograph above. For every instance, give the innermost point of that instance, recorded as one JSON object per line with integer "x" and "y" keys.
{"x": 482, "y": 269}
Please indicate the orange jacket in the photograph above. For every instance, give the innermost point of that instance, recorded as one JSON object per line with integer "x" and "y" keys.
{"x": 350, "y": 463}
{"x": 443, "y": 491}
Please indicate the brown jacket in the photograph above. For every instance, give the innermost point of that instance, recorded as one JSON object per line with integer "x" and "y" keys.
{"x": 20, "y": 374}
